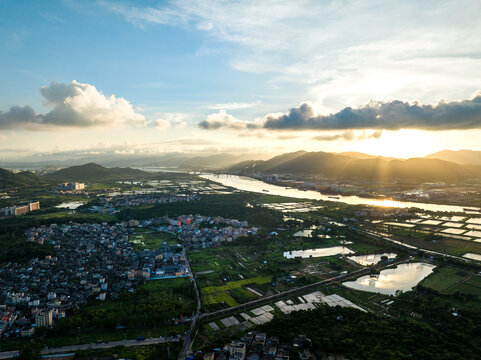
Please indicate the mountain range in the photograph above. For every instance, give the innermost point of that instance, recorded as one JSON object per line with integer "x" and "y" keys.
{"x": 460, "y": 156}
{"x": 442, "y": 166}
{"x": 363, "y": 167}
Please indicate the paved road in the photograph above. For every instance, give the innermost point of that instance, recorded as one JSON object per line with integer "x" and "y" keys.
{"x": 188, "y": 335}
{"x": 411, "y": 248}
{"x": 93, "y": 346}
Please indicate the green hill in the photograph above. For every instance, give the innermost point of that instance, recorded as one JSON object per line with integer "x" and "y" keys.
{"x": 95, "y": 172}
{"x": 9, "y": 180}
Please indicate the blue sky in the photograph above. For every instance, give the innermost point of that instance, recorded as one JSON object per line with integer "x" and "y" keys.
{"x": 147, "y": 73}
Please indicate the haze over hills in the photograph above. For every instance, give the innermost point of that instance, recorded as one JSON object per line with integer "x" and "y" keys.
{"x": 168, "y": 160}
{"x": 343, "y": 166}
{"x": 460, "y": 156}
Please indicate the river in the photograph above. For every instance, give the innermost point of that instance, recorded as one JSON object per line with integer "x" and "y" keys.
{"x": 257, "y": 186}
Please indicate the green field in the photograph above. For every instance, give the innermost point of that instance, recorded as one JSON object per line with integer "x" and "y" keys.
{"x": 443, "y": 278}
{"x": 219, "y": 294}
{"x": 149, "y": 239}
{"x": 471, "y": 286}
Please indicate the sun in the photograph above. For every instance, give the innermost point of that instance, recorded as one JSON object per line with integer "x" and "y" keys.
{"x": 400, "y": 144}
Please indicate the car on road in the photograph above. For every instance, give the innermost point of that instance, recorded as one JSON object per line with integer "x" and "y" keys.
{"x": 140, "y": 338}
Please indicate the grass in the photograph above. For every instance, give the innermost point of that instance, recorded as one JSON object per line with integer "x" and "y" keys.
{"x": 471, "y": 286}
{"x": 218, "y": 294}
{"x": 443, "y": 278}
{"x": 153, "y": 240}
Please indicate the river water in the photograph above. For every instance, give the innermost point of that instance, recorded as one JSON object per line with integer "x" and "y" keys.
{"x": 257, "y": 186}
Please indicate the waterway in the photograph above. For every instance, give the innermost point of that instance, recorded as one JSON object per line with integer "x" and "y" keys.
{"x": 257, "y": 186}
{"x": 404, "y": 277}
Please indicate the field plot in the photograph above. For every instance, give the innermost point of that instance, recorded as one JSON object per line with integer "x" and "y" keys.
{"x": 443, "y": 279}
{"x": 220, "y": 294}
{"x": 152, "y": 240}
{"x": 470, "y": 286}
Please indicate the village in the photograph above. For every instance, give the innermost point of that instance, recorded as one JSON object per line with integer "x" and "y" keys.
{"x": 98, "y": 261}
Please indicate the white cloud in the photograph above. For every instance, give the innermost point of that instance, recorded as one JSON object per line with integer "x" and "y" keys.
{"x": 74, "y": 105}
{"x": 342, "y": 52}
{"x": 221, "y": 120}
{"x": 233, "y": 105}
{"x": 161, "y": 124}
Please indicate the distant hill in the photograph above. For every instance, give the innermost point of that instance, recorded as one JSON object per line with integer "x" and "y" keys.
{"x": 94, "y": 172}
{"x": 217, "y": 161}
{"x": 358, "y": 155}
{"x": 341, "y": 166}
{"x": 10, "y": 180}
{"x": 460, "y": 156}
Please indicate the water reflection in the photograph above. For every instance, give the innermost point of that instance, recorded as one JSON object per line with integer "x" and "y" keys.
{"x": 249, "y": 184}
{"x": 330, "y": 251}
{"x": 404, "y": 277}
{"x": 367, "y": 260}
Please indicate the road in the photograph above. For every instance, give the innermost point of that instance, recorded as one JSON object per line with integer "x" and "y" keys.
{"x": 93, "y": 346}
{"x": 411, "y": 248}
{"x": 186, "y": 347}
{"x": 187, "y": 337}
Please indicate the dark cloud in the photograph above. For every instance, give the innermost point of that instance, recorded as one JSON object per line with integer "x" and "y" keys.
{"x": 74, "y": 105}
{"x": 393, "y": 115}
{"x": 17, "y": 116}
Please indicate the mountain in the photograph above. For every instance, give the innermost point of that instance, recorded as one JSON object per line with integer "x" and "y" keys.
{"x": 460, "y": 156}
{"x": 10, "y": 180}
{"x": 165, "y": 160}
{"x": 92, "y": 171}
{"x": 358, "y": 155}
{"x": 341, "y": 166}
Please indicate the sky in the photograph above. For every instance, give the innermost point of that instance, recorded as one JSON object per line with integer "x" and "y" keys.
{"x": 392, "y": 78}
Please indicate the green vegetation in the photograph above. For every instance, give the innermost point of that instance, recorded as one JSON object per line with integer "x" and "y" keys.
{"x": 364, "y": 336}
{"x": 163, "y": 351}
{"x": 219, "y": 294}
{"x": 149, "y": 311}
{"x": 231, "y": 206}
{"x": 9, "y": 180}
{"x": 150, "y": 239}
{"x": 444, "y": 278}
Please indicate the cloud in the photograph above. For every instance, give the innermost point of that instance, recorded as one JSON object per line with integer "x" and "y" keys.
{"x": 392, "y": 115}
{"x": 333, "y": 51}
{"x": 224, "y": 120}
{"x": 74, "y": 105}
{"x": 232, "y": 106}
{"x": 161, "y": 124}
{"x": 349, "y": 135}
